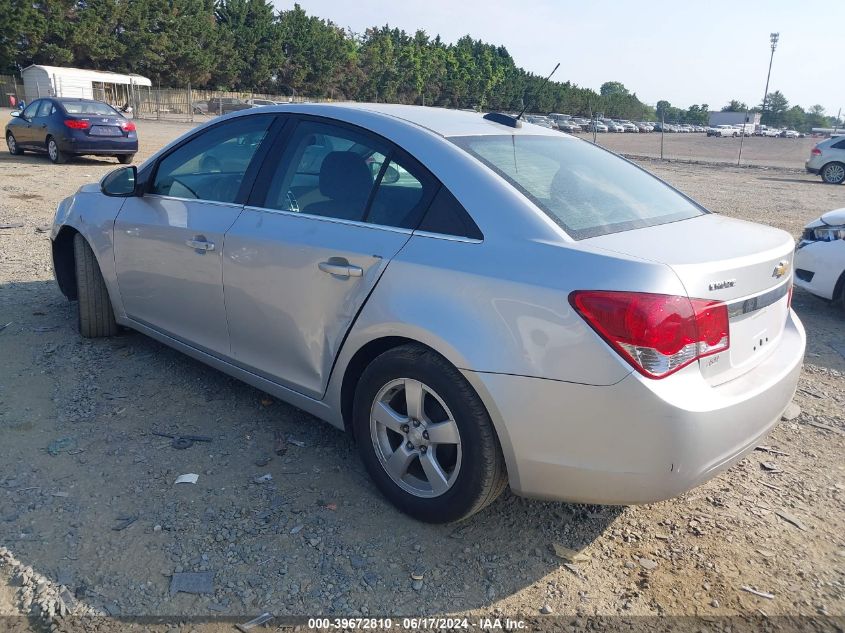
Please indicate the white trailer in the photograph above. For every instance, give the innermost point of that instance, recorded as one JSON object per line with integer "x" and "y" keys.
{"x": 56, "y": 81}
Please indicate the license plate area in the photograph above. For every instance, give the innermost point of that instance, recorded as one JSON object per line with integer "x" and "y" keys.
{"x": 106, "y": 130}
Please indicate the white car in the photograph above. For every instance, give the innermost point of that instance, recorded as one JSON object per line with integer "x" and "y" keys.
{"x": 820, "y": 257}
{"x": 724, "y": 130}
{"x": 790, "y": 134}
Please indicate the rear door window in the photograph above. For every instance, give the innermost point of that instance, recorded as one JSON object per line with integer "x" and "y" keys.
{"x": 586, "y": 190}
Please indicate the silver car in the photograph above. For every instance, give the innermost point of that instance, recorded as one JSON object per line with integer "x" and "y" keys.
{"x": 480, "y": 302}
{"x": 827, "y": 159}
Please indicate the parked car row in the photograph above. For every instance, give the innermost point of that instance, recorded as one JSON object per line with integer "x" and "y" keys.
{"x": 225, "y": 105}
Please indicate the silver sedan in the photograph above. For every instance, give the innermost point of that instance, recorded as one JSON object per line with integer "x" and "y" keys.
{"x": 479, "y": 301}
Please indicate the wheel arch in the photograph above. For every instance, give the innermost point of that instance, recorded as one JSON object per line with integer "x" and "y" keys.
{"x": 64, "y": 261}
{"x": 359, "y": 361}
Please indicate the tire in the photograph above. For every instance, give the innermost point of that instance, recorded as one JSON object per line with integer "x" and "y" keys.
{"x": 833, "y": 173}
{"x": 56, "y": 155}
{"x": 468, "y": 457}
{"x": 96, "y": 317}
{"x": 13, "y": 146}
{"x": 125, "y": 159}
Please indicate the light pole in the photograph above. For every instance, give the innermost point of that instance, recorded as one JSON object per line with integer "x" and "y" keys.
{"x": 773, "y": 38}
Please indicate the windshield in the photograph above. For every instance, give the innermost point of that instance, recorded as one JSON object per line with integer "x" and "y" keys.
{"x": 89, "y": 107}
{"x": 586, "y": 190}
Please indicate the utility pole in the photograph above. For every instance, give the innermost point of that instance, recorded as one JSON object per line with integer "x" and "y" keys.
{"x": 773, "y": 38}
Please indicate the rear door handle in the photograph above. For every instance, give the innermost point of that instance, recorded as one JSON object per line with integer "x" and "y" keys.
{"x": 200, "y": 244}
{"x": 341, "y": 268}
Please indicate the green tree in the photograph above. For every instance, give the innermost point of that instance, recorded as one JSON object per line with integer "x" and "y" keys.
{"x": 735, "y": 106}
{"x": 609, "y": 88}
{"x": 776, "y": 107}
{"x": 251, "y": 44}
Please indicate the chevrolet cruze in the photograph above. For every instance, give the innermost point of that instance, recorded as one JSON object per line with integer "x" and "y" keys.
{"x": 480, "y": 302}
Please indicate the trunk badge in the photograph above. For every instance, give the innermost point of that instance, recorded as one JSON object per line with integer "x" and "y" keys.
{"x": 781, "y": 269}
{"x": 721, "y": 285}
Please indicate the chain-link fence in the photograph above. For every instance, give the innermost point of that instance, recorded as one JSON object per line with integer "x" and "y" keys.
{"x": 189, "y": 105}
{"x": 11, "y": 91}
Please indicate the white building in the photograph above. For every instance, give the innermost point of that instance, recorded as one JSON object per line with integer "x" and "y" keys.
{"x": 54, "y": 81}
{"x": 734, "y": 118}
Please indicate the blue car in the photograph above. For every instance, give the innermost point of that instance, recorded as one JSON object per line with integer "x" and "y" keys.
{"x": 72, "y": 127}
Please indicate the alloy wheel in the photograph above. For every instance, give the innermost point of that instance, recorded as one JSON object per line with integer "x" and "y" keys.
{"x": 12, "y": 144}
{"x": 834, "y": 173}
{"x": 415, "y": 437}
{"x": 53, "y": 150}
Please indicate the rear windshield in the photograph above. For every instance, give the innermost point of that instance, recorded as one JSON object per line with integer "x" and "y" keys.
{"x": 89, "y": 107}
{"x": 586, "y": 190}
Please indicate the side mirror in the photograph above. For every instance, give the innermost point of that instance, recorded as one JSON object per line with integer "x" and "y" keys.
{"x": 16, "y": 112}
{"x": 120, "y": 183}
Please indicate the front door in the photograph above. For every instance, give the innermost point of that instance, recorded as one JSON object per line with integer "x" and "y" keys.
{"x": 299, "y": 265}
{"x": 24, "y": 134}
{"x": 169, "y": 242}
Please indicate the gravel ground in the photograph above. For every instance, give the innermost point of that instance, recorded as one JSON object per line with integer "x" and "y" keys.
{"x": 89, "y": 509}
{"x": 756, "y": 150}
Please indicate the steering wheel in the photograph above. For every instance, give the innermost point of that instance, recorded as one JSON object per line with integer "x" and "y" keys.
{"x": 182, "y": 184}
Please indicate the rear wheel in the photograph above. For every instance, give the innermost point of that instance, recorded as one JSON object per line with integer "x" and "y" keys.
{"x": 96, "y": 317}
{"x": 12, "y": 144}
{"x": 425, "y": 436}
{"x": 56, "y": 155}
{"x": 125, "y": 159}
{"x": 833, "y": 173}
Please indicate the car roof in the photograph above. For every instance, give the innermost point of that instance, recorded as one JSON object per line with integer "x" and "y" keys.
{"x": 441, "y": 121}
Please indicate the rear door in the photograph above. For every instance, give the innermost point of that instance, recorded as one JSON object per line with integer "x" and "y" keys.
{"x": 334, "y": 206}
{"x": 169, "y": 242}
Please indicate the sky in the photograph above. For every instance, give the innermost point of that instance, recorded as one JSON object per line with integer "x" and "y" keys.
{"x": 703, "y": 52}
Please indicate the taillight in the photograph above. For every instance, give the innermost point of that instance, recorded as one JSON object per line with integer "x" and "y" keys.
{"x": 127, "y": 126}
{"x": 657, "y": 334}
{"x": 77, "y": 124}
{"x": 816, "y": 151}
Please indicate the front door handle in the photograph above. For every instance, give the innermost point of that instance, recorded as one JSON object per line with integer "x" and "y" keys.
{"x": 200, "y": 244}
{"x": 341, "y": 268}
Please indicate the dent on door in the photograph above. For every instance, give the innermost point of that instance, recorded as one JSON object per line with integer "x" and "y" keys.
{"x": 293, "y": 285}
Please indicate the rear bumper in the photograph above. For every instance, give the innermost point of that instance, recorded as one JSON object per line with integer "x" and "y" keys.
{"x": 640, "y": 440}
{"x": 84, "y": 144}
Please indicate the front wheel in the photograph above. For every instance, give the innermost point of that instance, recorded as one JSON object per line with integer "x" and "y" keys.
{"x": 56, "y": 155}
{"x": 96, "y": 317}
{"x": 13, "y": 146}
{"x": 125, "y": 159}
{"x": 833, "y": 173}
{"x": 425, "y": 436}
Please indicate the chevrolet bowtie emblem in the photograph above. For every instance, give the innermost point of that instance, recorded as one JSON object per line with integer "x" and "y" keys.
{"x": 781, "y": 269}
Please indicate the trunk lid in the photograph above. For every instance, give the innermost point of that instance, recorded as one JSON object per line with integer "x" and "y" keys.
{"x": 746, "y": 265}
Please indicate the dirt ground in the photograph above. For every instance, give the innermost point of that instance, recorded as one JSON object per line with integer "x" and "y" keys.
{"x": 756, "y": 150}
{"x": 88, "y": 505}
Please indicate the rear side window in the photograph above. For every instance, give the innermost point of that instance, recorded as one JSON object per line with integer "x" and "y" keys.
{"x": 448, "y": 217}
{"x": 839, "y": 145}
{"x": 586, "y": 190}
